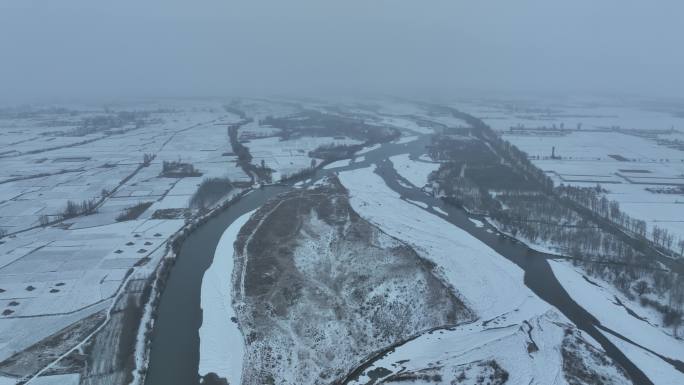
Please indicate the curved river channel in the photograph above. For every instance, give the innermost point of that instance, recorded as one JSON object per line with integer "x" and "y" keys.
{"x": 174, "y": 352}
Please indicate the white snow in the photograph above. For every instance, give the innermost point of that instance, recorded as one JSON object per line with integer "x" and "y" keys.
{"x": 657, "y": 370}
{"x": 507, "y": 344}
{"x": 337, "y": 164}
{"x": 418, "y": 203}
{"x": 601, "y": 303}
{"x": 59, "y": 379}
{"x": 406, "y": 139}
{"x": 416, "y": 172}
{"x": 221, "y": 343}
{"x": 406, "y": 124}
{"x": 477, "y": 222}
{"x": 17, "y": 334}
{"x": 368, "y": 149}
{"x": 487, "y": 282}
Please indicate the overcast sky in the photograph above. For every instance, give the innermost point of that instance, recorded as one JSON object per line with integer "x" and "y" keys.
{"x": 121, "y": 48}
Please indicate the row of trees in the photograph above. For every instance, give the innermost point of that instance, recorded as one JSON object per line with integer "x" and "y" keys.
{"x": 595, "y": 200}
{"x": 111, "y": 121}
{"x": 242, "y": 152}
{"x": 302, "y": 174}
{"x": 539, "y": 218}
{"x": 74, "y": 209}
{"x": 662, "y": 237}
{"x": 89, "y": 206}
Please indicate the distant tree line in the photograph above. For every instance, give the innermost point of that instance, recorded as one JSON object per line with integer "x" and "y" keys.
{"x": 179, "y": 169}
{"x": 317, "y": 123}
{"x": 332, "y": 152}
{"x": 133, "y": 212}
{"x": 74, "y": 209}
{"x": 299, "y": 175}
{"x": 107, "y": 122}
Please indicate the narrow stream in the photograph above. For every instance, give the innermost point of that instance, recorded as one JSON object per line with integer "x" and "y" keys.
{"x": 174, "y": 354}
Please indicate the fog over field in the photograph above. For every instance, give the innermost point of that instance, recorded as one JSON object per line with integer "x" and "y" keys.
{"x": 85, "y": 49}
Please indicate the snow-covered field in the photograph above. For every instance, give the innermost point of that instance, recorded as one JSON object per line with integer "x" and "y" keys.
{"x": 414, "y": 171}
{"x": 368, "y": 149}
{"x": 54, "y": 271}
{"x": 591, "y": 113}
{"x": 597, "y": 145}
{"x": 56, "y": 275}
{"x": 657, "y": 370}
{"x": 221, "y": 342}
{"x": 53, "y": 177}
{"x": 586, "y": 161}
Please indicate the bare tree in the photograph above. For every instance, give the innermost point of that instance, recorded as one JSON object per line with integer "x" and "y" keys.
{"x": 44, "y": 220}
{"x": 640, "y": 287}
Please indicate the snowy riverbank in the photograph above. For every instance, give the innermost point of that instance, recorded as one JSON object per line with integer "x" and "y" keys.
{"x": 221, "y": 343}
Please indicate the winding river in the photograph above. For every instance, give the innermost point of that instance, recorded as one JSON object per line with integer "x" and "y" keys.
{"x": 174, "y": 354}
{"x": 174, "y": 350}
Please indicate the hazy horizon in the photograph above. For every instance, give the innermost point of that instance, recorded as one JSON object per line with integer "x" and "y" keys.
{"x": 79, "y": 49}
